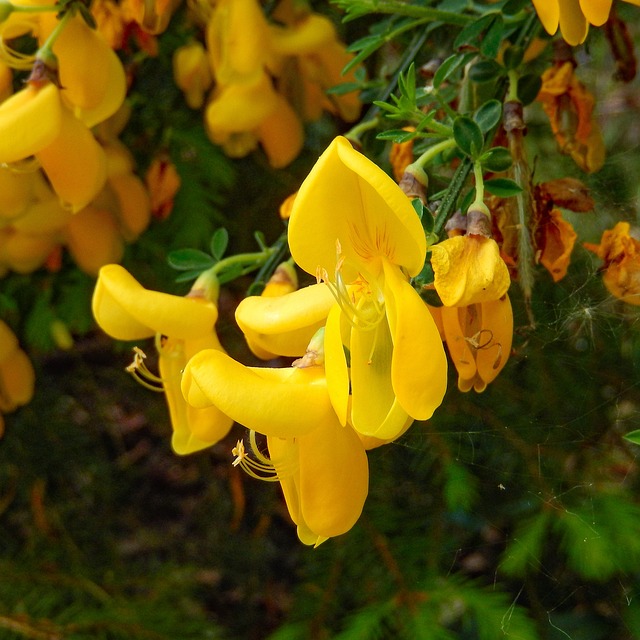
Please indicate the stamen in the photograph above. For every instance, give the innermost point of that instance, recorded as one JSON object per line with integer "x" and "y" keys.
{"x": 361, "y": 302}
{"x": 139, "y": 370}
{"x": 260, "y": 467}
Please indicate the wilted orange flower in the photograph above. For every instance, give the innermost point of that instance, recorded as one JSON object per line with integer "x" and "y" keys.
{"x": 570, "y": 108}
{"x": 163, "y": 182}
{"x": 400, "y": 157}
{"x": 620, "y": 252}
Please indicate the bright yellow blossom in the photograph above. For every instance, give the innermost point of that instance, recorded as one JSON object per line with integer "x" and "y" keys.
{"x": 191, "y": 73}
{"x": 352, "y": 226}
{"x": 321, "y": 465}
{"x": 574, "y": 16}
{"x": 183, "y": 326}
{"x": 469, "y": 268}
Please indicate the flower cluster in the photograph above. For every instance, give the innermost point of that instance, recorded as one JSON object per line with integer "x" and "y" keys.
{"x": 268, "y": 78}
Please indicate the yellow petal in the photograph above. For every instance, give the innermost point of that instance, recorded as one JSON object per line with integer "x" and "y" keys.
{"x": 549, "y": 13}
{"x": 348, "y": 198}
{"x": 309, "y": 35}
{"x": 596, "y": 11}
{"x": 29, "y": 121}
{"x": 469, "y": 269}
{"x": 127, "y": 311}
{"x": 419, "y": 364}
{"x": 453, "y": 319}
{"x": 43, "y": 217}
{"x": 335, "y": 364}
{"x": 281, "y": 134}
{"x": 8, "y": 341}
{"x": 74, "y": 163}
{"x": 17, "y": 381}
{"x": 334, "y": 478}
{"x": 372, "y": 393}
{"x": 93, "y": 239}
{"x": 284, "y": 325}
{"x": 134, "y": 211}
{"x": 284, "y": 403}
{"x": 16, "y": 192}
{"x": 573, "y": 24}
{"x": 193, "y": 429}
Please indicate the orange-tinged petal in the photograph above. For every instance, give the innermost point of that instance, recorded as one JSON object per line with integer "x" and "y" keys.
{"x": 127, "y": 311}
{"x": 284, "y": 403}
{"x": 419, "y": 364}
{"x": 93, "y": 239}
{"x": 495, "y": 342}
{"x": 134, "y": 211}
{"x": 30, "y": 120}
{"x": 334, "y": 478}
{"x": 25, "y": 252}
{"x": 558, "y": 242}
{"x": 17, "y": 381}
{"x": 348, "y": 198}
{"x": 43, "y": 217}
{"x": 307, "y": 36}
{"x": 281, "y": 134}
{"x": 457, "y": 344}
{"x": 74, "y": 163}
{"x": 16, "y": 192}
{"x": 8, "y": 341}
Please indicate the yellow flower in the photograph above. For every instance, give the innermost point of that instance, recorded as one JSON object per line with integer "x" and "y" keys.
{"x": 17, "y": 377}
{"x": 183, "y": 326}
{"x": 469, "y": 269}
{"x": 570, "y": 109}
{"x": 191, "y": 73}
{"x": 620, "y": 252}
{"x": 35, "y": 122}
{"x": 353, "y": 227}
{"x": 478, "y": 338}
{"x": 573, "y": 16}
{"x": 321, "y": 465}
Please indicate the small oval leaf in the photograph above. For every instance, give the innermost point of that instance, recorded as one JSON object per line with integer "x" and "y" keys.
{"x": 219, "y": 242}
{"x": 502, "y": 187}
{"x": 190, "y": 259}
{"x": 488, "y": 115}
{"x": 497, "y": 159}
{"x": 468, "y": 136}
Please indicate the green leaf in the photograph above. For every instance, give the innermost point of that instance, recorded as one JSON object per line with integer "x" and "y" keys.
{"x": 488, "y": 115}
{"x": 449, "y": 67}
{"x": 502, "y": 187}
{"x": 485, "y": 71}
{"x": 492, "y": 40}
{"x": 528, "y": 88}
{"x": 472, "y": 31}
{"x": 496, "y": 160}
{"x": 513, "y": 57}
{"x": 219, "y": 243}
{"x": 633, "y": 436}
{"x": 396, "y": 135}
{"x": 190, "y": 259}
{"x": 468, "y": 136}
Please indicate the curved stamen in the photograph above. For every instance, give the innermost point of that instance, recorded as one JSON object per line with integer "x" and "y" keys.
{"x": 260, "y": 466}
{"x": 139, "y": 370}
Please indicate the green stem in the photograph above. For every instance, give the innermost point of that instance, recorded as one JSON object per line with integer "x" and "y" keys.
{"x": 433, "y": 151}
{"x": 365, "y": 125}
{"x": 478, "y": 203}
{"x": 451, "y": 196}
{"x": 416, "y": 11}
{"x": 45, "y": 52}
{"x": 512, "y": 91}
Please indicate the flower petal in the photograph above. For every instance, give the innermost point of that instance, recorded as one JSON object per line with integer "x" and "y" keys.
{"x": 549, "y": 13}
{"x": 335, "y": 364}
{"x": 127, "y": 311}
{"x": 497, "y": 322}
{"x": 285, "y": 402}
{"x": 596, "y": 11}
{"x": 283, "y": 325}
{"x": 419, "y": 364}
{"x": 334, "y": 478}
{"x": 348, "y": 198}
{"x": 573, "y": 25}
